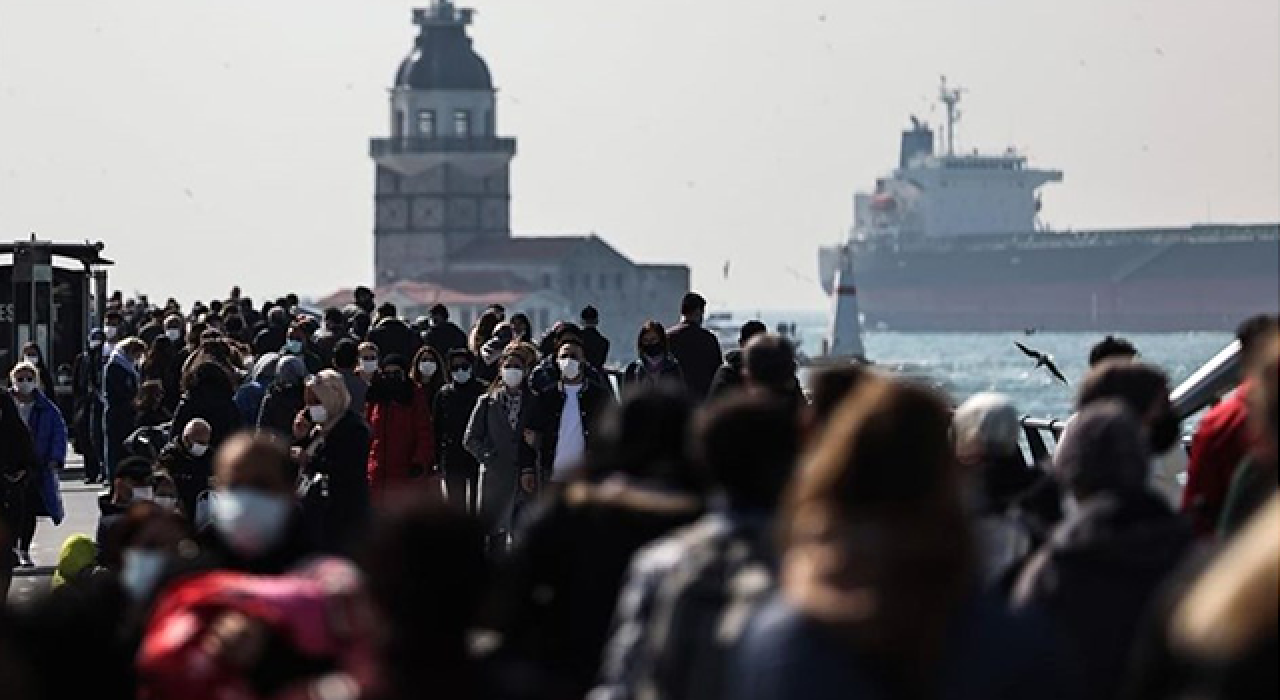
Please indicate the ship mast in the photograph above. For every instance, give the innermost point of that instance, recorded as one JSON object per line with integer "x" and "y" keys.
{"x": 950, "y": 97}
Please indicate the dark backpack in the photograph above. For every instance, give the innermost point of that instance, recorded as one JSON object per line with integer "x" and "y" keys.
{"x": 702, "y": 608}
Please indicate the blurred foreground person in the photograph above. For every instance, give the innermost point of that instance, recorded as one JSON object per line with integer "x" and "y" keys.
{"x": 1226, "y": 437}
{"x": 1255, "y": 480}
{"x": 426, "y": 610}
{"x": 729, "y": 376}
{"x": 689, "y": 595}
{"x": 556, "y": 594}
{"x": 1119, "y": 542}
{"x": 769, "y": 367}
{"x": 256, "y": 525}
{"x": 878, "y": 595}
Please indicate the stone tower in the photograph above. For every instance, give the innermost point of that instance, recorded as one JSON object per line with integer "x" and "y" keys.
{"x": 443, "y": 176}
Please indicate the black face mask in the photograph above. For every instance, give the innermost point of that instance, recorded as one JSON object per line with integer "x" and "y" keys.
{"x": 652, "y": 349}
{"x": 1164, "y": 433}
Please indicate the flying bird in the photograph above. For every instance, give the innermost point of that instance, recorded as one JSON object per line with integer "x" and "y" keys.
{"x": 1042, "y": 360}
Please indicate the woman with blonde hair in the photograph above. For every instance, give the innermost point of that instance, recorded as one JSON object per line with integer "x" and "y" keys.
{"x": 333, "y": 447}
{"x": 879, "y": 595}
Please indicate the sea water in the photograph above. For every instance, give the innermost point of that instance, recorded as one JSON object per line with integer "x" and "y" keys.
{"x": 966, "y": 363}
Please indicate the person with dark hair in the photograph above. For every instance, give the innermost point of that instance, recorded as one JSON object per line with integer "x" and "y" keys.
{"x": 498, "y": 437}
{"x": 1110, "y": 348}
{"x": 120, "y": 390}
{"x": 346, "y": 360}
{"x": 32, "y": 354}
{"x": 284, "y": 398}
{"x": 565, "y": 418}
{"x": 729, "y": 376}
{"x": 877, "y": 596}
{"x": 402, "y": 450}
{"x": 695, "y": 347}
{"x": 557, "y": 592}
{"x": 828, "y": 389}
{"x": 256, "y": 525}
{"x": 86, "y": 417}
{"x": 427, "y": 611}
{"x": 149, "y": 405}
{"x": 188, "y": 460}
{"x": 442, "y": 334}
{"x": 654, "y": 363}
{"x": 1098, "y": 574}
{"x": 1225, "y": 437}
{"x": 673, "y": 631}
{"x": 130, "y": 484}
{"x": 1254, "y": 481}
{"x": 328, "y": 336}
{"x": 297, "y": 344}
{"x": 393, "y": 336}
{"x": 162, "y": 366}
{"x": 271, "y": 338}
{"x": 17, "y": 462}
{"x": 521, "y": 329}
{"x": 769, "y": 366}
{"x": 428, "y": 370}
{"x": 209, "y": 394}
{"x": 363, "y": 298}
{"x": 1144, "y": 390}
{"x": 594, "y": 343}
{"x": 451, "y": 411}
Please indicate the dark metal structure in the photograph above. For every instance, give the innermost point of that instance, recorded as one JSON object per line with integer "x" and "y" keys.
{"x": 51, "y": 294}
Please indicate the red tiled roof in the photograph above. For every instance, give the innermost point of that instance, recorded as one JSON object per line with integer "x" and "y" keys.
{"x": 455, "y": 288}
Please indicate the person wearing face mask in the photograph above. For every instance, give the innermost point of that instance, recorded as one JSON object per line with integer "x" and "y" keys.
{"x": 284, "y": 398}
{"x": 428, "y": 372}
{"x": 256, "y": 525}
{"x": 112, "y": 324}
{"x": 189, "y": 462}
{"x": 86, "y": 420}
{"x": 402, "y": 452}
{"x": 369, "y": 360}
{"x": 451, "y": 410}
{"x": 565, "y": 418}
{"x": 120, "y": 390}
{"x": 132, "y": 484}
{"x": 32, "y": 354}
{"x": 333, "y": 444}
{"x": 499, "y": 437}
{"x": 295, "y": 344}
{"x": 1118, "y": 545}
{"x": 480, "y": 334}
{"x": 49, "y": 441}
{"x": 655, "y": 364}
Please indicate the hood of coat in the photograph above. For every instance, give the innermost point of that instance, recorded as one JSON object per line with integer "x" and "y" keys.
{"x": 1138, "y": 533}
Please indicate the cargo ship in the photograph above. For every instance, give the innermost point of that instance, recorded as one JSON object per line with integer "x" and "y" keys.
{"x": 953, "y": 242}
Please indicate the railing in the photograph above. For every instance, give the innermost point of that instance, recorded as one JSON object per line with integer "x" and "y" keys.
{"x": 1199, "y": 391}
{"x": 399, "y": 146}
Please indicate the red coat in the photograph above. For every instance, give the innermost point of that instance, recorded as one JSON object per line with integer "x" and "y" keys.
{"x": 402, "y": 439}
{"x": 1222, "y": 441}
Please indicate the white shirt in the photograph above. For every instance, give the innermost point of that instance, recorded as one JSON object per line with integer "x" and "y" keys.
{"x": 572, "y": 444}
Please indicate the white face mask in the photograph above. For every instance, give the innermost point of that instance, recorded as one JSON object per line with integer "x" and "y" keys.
{"x": 141, "y": 572}
{"x": 175, "y": 334}
{"x": 428, "y": 369}
{"x": 169, "y": 503}
{"x": 570, "y": 368}
{"x": 33, "y": 359}
{"x": 198, "y": 449}
{"x": 462, "y": 376}
{"x": 25, "y": 386}
{"x": 293, "y": 347}
{"x": 368, "y": 366}
{"x": 318, "y": 413}
{"x": 252, "y": 522}
{"x": 110, "y": 332}
{"x": 141, "y": 493}
{"x": 512, "y": 376}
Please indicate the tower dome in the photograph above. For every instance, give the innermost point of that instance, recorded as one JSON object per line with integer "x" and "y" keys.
{"x": 442, "y": 57}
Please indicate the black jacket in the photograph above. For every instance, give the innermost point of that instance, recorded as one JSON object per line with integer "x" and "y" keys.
{"x": 699, "y": 354}
{"x": 595, "y": 346}
{"x": 729, "y": 376}
{"x": 269, "y": 339}
{"x": 280, "y": 406}
{"x": 190, "y": 474}
{"x": 639, "y": 374}
{"x": 1097, "y": 577}
{"x": 393, "y": 337}
{"x": 451, "y": 411}
{"x": 593, "y": 401}
{"x": 211, "y": 397}
{"x": 445, "y": 337}
{"x": 344, "y": 458}
{"x": 294, "y": 547}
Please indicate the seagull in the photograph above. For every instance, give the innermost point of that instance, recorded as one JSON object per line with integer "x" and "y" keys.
{"x": 1042, "y": 360}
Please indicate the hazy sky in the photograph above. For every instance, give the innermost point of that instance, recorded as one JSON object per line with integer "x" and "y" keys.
{"x": 214, "y": 141}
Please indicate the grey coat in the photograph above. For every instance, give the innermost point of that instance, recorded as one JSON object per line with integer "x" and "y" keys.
{"x": 502, "y": 454}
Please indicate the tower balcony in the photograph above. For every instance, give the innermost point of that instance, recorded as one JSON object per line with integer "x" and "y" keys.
{"x": 379, "y": 148}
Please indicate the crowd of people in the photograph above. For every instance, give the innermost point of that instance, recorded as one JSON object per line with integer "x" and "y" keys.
{"x": 352, "y": 505}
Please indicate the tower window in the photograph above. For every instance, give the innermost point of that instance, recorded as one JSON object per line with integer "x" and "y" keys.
{"x": 462, "y": 124}
{"x": 427, "y": 123}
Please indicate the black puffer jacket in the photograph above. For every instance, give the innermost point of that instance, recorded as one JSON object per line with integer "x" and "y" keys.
{"x": 210, "y": 396}
{"x": 1097, "y": 576}
{"x": 280, "y": 406}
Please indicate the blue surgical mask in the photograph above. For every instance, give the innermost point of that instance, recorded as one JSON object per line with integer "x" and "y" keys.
{"x": 141, "y": 572}
{"x": 251, "y": 522}
{"x": 293, "y": 347}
